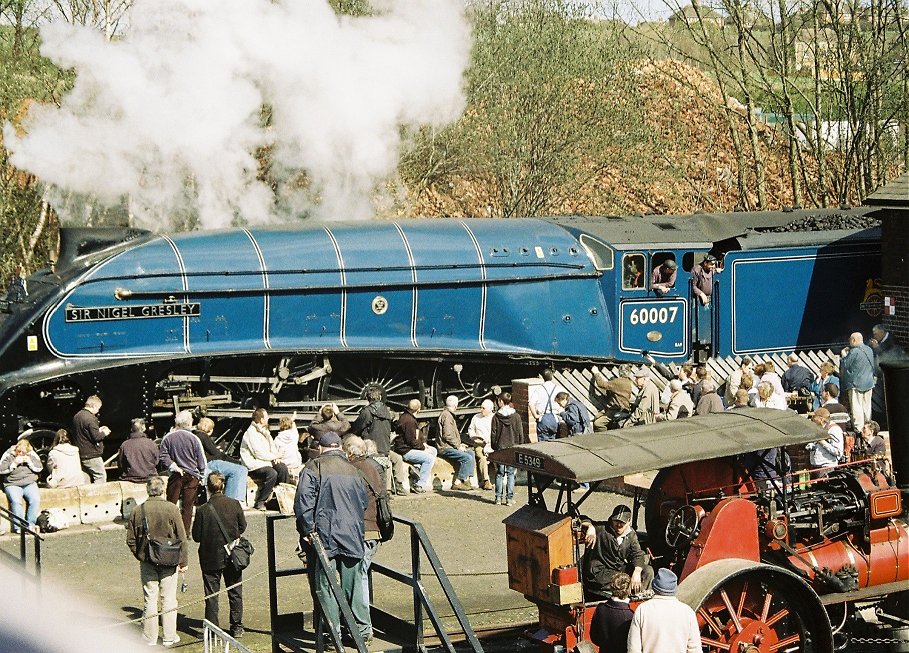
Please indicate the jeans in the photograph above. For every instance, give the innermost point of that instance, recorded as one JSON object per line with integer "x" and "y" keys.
{"x": 369, "y": 552}
{"x": 159, "y": 581}
{"x": 350, "y": 574}
{"x": 464, "y": 459}
{"x": 15, "y": 494}
{"x": 235, "y": 477}
{"x": 425, "y": 458}
{"x": 504, "y": 472}
{"x": 94, "y": 467}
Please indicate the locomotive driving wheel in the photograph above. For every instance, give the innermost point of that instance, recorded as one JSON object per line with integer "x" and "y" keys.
{"x": 399, "y": 381}
{"x": 744, "y": 606}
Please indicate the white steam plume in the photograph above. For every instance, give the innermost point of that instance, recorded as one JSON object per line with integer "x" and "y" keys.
{"x": 171, "y": 113}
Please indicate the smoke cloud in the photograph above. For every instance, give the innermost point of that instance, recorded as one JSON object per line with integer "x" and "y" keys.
{"x": 172, "y": 114}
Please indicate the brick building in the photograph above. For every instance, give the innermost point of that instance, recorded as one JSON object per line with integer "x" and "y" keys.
{"x": 894, "y": 202}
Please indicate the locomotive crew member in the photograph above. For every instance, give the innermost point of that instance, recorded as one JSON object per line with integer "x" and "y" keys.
{"x": 662, "y": 279}
{"x": 89, "y": 437}
{"x": 702, "y": 279}
{"x": 611, "y": 549}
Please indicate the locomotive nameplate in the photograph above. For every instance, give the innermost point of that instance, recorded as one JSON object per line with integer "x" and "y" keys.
{"x": 136, "y": 312}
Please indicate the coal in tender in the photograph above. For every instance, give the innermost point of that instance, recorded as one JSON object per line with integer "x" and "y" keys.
{"x": 826, "y": 222}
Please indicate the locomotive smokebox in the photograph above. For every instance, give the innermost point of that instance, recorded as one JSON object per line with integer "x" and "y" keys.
{"x": 896, "y": 390}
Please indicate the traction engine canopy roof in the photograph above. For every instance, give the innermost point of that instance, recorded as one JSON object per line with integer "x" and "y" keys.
{"x": 599, "y": 456}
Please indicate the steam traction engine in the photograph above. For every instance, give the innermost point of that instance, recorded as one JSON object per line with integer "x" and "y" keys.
{"x": 801, "y": 564}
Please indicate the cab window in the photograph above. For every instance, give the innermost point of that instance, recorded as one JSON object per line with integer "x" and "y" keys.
{"x": 634, "y": 271}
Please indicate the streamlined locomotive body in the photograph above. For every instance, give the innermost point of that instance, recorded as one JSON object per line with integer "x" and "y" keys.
{"x": 287, "y": 318}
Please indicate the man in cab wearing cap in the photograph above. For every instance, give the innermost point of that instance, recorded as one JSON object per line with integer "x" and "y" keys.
{"x": 662, "y": 279}
{"x": 663, "y": 624}
{"x": 330, "y": 505}
{"x": 702, "y": 278}
{"x": 610, "y": 549}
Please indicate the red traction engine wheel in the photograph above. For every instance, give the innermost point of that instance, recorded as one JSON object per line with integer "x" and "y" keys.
{"x": 748, "y": 607}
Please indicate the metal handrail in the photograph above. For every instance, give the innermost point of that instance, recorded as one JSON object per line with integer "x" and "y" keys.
{"x": 25, "y": 530}
{"x": 215, "y": 640}
{"x": 419, "y": 541}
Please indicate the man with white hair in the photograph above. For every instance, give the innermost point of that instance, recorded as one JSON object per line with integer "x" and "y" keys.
{"x": 710, "y": 401}
{"x": 480, "y": 432}
{"x": 452, "y": 449}
{"x": 680, "y": 404}
{"x": 181, "y": 453}
{"x": 857, "y": 379}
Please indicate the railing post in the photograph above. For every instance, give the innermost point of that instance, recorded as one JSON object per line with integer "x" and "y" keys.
{"x": 272, "y": 580}
{"x": 417, "y": 600}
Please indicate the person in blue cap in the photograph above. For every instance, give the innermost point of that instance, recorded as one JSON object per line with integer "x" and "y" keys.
{"x": 664, "y": 624}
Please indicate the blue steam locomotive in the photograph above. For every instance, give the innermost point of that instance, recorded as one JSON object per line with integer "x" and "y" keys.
{"x": 230, "y": 320}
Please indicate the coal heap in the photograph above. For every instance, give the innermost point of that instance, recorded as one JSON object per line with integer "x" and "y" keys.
{"x": 826, "y": 222}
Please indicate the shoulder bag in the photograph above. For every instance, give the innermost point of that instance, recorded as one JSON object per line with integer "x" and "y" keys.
{"x": 161, "y": 552}
{"x": 239, "y": 551}
{"x": 384, "y": 519}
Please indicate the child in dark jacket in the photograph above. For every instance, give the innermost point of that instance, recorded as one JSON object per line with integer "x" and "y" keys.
{"x": 507, "y": 431}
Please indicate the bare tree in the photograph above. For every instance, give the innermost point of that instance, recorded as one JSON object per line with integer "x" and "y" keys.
{"x": 103, "y": 15}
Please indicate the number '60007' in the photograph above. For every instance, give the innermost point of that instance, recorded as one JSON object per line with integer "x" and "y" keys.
{"x": 653, "y": 315}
